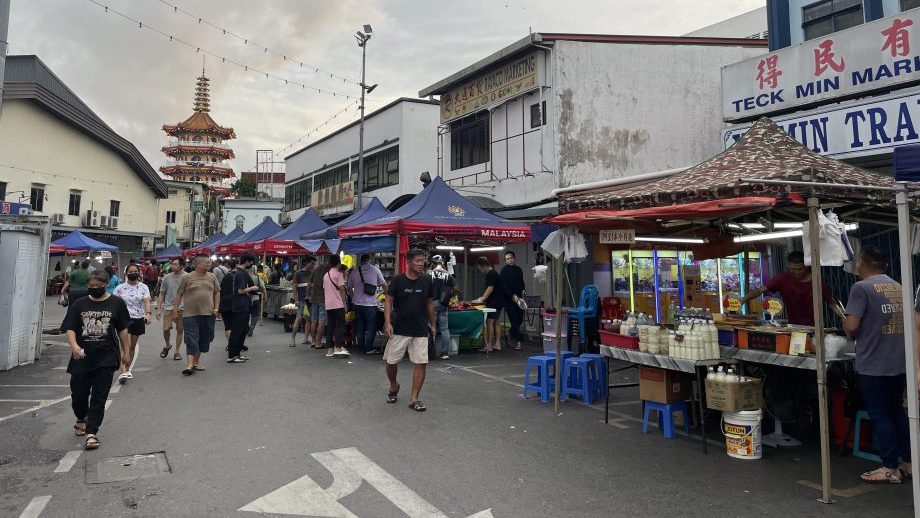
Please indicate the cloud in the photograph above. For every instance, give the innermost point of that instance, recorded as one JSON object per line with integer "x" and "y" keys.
{"x": 136, "y": 80}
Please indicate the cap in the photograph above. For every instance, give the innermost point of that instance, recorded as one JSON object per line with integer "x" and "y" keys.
{"x": 437, "y": 259}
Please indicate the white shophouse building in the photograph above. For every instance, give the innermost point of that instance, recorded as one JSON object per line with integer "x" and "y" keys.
{"x": 400, "y": 143}
{"x": 247, "y": 213}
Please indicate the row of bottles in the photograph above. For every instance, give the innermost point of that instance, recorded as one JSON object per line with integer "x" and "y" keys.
{"x": 695, "y": 339}
{"x": 725, "y": 375}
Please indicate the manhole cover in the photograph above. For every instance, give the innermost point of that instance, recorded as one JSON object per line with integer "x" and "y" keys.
{"x": 131, "y": 467}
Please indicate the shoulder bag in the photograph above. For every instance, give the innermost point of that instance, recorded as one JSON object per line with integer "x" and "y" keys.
{"x": 368, "y": 288}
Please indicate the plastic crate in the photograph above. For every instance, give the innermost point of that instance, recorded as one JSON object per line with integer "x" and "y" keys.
{"x": 617, "y": 340}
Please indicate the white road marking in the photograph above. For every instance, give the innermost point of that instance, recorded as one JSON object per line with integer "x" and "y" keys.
{"x": 42, "y": 404}
{"x": 344, "y": 480}
{"x": 66, "y": 463}
{"x": 108, "y": 403}
{"x": 302, "y": 497}
{"x": 116, "y": 388}
{"x": 35, "y": 507}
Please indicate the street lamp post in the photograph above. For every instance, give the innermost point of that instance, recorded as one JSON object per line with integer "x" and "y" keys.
{"x": 362, "y": 38}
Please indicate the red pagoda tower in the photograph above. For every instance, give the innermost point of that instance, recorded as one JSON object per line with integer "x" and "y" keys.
{"x": 196, "y": 146}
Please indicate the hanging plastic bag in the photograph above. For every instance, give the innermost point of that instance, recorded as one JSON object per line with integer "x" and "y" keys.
{"x": 829, "y": 241}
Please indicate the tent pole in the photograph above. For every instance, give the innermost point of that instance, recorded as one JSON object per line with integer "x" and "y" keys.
{"x": 814, "y": 209}
{"x": 910, "y": 347}
{"x": 466, "y": 273}
{"x": 559, "y": 266}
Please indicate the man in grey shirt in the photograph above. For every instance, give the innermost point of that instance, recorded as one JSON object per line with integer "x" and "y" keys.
{"x": 169, "y": 285}
{"x": 874, "y": 316}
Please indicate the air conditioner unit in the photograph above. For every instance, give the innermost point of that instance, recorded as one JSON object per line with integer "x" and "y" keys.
{"x": 284, "y": 218}
{"x": 113, "y": 222}
{"x": 57, "y": 219}
{"x": 104, "y": 221}
{"x": 92, "y": 219}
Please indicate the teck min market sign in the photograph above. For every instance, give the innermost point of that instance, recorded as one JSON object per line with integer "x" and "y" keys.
{"x": 490, "y": 88}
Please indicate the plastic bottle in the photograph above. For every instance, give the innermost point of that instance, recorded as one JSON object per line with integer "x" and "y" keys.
{"x": 720, "y": 375}
{"x": 710, "y": 373}
{"x": 731, "y": 378}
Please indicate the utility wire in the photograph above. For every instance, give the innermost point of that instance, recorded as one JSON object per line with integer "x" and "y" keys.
{"x": 58, "y": 175}
{"x": 315, "y": 129}
{"x": 249, "y": 41}
{"x": 224, "y": 59}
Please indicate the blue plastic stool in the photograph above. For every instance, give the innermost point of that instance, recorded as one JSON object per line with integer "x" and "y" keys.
{"x": 587, "y": 308}
{"x": 577, "y": 379}
{"x": 861, "y": 416}
{"x": 543, "y": 385}
{"x": 599, "y": 388}
{"x": 564, "y": 355}
{"x": 665, "y": 416}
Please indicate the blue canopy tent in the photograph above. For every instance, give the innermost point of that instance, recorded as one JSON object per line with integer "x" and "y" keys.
{"x": 168, "y": 253}
{"x": 352, "y": 245}
{"x": 266, "y": 228}
{"x": 284, "y": 241}
{"x": 76, "y": 240}
{"x": 329, "y": 236}
{"x": 205, "y": 248}
{"x": 232, "y": 236}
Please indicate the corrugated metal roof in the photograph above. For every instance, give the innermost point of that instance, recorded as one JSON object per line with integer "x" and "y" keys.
{"x": 27, "y": 77}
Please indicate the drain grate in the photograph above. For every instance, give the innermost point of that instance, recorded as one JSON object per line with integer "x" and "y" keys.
{"x": 131, "y": 467}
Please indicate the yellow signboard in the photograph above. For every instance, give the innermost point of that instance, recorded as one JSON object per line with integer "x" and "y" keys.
{"x": 495, "y": 85}
{"x": 773, "y": 306}
{"x": 733, "y": 305}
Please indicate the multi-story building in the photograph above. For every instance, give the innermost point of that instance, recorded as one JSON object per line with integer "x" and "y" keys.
{"x": 182, "y": 215}
{"x": 840, "y": 76}
{"x": 247, "y": 213}
{"x": 197, "y": 148}
{"x": 400, "y": 143}
{"x": 268, "y": 176}
{"x": 58, "y": 156}
{"x": 752, "y": 24}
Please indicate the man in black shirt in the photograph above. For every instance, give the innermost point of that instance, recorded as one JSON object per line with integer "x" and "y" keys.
{"x": 96, "y": 327}
{"x": 240, "y": 306}
{"x": 513, "y": 281}
{"x": 442, "y": 289}
{"x": 494, "y": 299}
{"x": 411, "y": 297}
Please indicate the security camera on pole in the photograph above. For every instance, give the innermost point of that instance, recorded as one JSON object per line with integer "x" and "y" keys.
{"x": 362, "y": 38}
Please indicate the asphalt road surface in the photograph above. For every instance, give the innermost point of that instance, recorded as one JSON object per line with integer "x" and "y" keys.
{"x": 294, "y": 433}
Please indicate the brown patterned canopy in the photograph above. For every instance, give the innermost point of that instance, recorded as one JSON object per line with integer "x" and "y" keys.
{"x": 765, "y": 152}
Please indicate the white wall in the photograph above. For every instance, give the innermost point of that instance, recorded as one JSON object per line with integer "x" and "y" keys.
{"x": 742, "y": 26}
{"x": 253, "y": 212}
{"x": 32, "y": 138}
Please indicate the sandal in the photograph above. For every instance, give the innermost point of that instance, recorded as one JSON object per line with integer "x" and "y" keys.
{"x": 91, "y": 442}
{"x": 392, "y": 396}
{"x": 79, "y": 429}
{"x": 177, "y": 357}
{"x": 417, "y": 406}
{"x": 236, "y": 360}
{"x": 164, "y": 352}
{"x": 188, "y": 372}
{"x": 198, "y": 368}
{"x": 123, "y": 378}
{"x": 882, "y": 476}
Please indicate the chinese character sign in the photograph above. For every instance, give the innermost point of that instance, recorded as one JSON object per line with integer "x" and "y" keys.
{"x": 767, "y": 73}
{"x": 824, "y": 58}
{"x": 618, "y": 237}
{"x": 897, "y": 38}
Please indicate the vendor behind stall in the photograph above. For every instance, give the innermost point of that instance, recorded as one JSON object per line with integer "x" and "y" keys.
{"x": 794, "y": 286}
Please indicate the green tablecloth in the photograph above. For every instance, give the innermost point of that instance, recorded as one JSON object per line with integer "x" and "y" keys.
{"x": 465, "y": 323}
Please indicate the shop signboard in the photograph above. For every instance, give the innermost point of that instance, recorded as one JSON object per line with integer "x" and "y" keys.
{"x": 197, "y": 206}
{"x": 860, "y": 128}
{"x": 874, "y": 56}
{"x": 492, "y": 87}
{"x": 626, "y": 236}
{"x": 335, "y": 199}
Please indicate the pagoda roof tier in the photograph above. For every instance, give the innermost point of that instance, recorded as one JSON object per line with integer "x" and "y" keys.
{"x": 199, "y": 122}
{"x": 198, "y": 148}
{"x": 173, "y": 170}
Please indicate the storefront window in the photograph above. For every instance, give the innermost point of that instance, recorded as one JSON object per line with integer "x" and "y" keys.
{"x": 622, "y": 280}
{"x": 643, "y": 274}
{"x": 668, "y": 285}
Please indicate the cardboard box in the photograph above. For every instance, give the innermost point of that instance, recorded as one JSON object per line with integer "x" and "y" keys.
{"x": 734, "y": 397}
{"x": 663, "y": 386}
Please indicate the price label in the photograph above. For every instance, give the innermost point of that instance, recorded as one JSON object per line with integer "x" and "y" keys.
{"x": 797, "y": 344}
{"x": 773, "y": 306}
{"x": 732, "y": 305}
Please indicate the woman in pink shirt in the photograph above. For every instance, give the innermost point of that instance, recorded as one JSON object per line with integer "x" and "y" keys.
{"x": 334, "y": 288}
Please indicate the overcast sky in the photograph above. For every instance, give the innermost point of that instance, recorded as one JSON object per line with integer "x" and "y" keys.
{"x": 136, "y": 80}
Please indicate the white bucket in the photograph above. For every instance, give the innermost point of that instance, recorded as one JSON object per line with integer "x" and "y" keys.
{"x": 742, "y": 432}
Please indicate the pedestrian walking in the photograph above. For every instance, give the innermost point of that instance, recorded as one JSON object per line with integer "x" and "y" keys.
{"x": 137, "y": 296}
{"x": 97, "y": 329}
{"x": 198, "y": 294}
{"x": 152, "y": 276}
{"x": 169, "y": 286}
{"x": 257, "y": 298}
{"x": 334, "y": 291}
{"x": 226, "y": 296}
{"x": 410, "y": 297}
{"x": 302, "y": 288}
{"x": 114, "y": 281}
{"x": 221, "y": 269}
{"x": 513, "y": 283}
{"x": 318, "y": 316}
{"x": 76, "y": 285}
{"x": 363, "y": 282}
{"x": 442, "y": 289}
{"x": 874, "y": 317}
{"x": 494, "y": 299}
{"x": 243, "y": 287}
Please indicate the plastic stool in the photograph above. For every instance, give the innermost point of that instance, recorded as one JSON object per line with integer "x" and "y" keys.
{"x": 665, "y": 416}
{"x": 861, "y": 416}
{"x": 545, "y": 379}
{"x": 564, "y": 355}
{"x": 600, "y": 366}
{"x": 577, "y": 379}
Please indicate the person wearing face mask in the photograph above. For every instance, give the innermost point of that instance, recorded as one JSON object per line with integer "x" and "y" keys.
{"x": 95, "y": 325}
{"x": 137, "y": 296}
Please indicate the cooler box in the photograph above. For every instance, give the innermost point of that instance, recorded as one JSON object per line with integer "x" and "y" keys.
{"x": 612, "y": 339}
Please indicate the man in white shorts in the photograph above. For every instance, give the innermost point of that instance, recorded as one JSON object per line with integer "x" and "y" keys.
{"x": 411, "y": 298}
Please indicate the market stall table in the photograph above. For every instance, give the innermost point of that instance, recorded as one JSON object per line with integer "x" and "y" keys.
{"x": 277, "y": 296}
{"x": 465, "y": 322}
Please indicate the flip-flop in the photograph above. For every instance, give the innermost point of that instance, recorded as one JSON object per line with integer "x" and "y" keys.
{"x": 123, "y": 378}
{"x": 417, "y": 406}
{"x": 392, "y": 397}
{"x": 188, "y": 372}
{"x": 91, "y": 445}
{"x": 890, "y": 478}
{"x": 79, "y": 432}
{"x": 177, "y": 357}
{"x": 164, "y": 352}
{"x": 198, "y": 368}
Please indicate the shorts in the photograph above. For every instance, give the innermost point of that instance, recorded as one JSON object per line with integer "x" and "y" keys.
{"x": 397, "y": 346}
{"x": 318, "y": 313}
{"x": 136, "y": 326}
{"x": 227, "y": 317}
{"x": 199, "y": 332}
{"x": 494, "y": 315}
{"x": 168, "y": 320}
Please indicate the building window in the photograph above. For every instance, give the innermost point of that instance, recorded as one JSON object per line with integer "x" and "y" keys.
{"x": 909, "y": 4}
{"x": 73, "y": 205}
{"x": 37, "y": 199}
{"x": 170, "y": 217}
{"x": 239, "y": 221}
{"x": 381, "y": 169}
{"x": 827, "y": 16}
{"x": 536, "y": 114}
{"x": 114, "y": 208}
{"x": 196, "y": 139}
{"x": 469, "y": 140}
{"x": 196, "y": 158}
{"x": 2, "y": 191}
